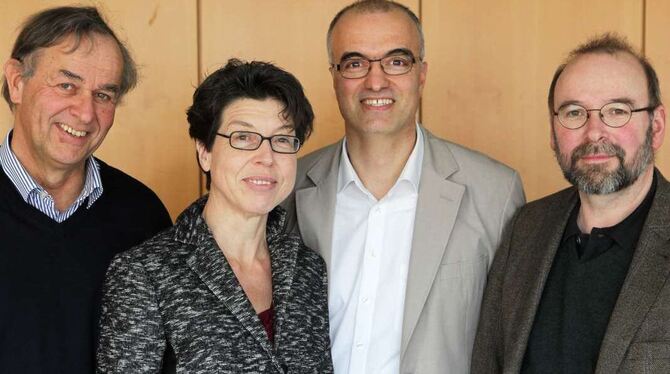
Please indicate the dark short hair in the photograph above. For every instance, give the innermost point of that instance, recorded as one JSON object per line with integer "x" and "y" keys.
{"x": 246, "y": 80}
{"x": 372, "y": 6}
{"x": 49, "y": 27}
{"x": 609, "y": 43}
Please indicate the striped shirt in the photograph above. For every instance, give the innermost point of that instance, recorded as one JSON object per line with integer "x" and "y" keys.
{"x": 36, "y": 196}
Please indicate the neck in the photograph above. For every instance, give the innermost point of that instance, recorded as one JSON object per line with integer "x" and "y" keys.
{"x": 608, "y": 210}
{"x": 379, "y": 159}
{"x": 240, "y": 237}
{"x": 64, "y": 184}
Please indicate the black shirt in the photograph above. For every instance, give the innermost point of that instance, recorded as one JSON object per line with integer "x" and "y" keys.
{"x": 581, "y": 290}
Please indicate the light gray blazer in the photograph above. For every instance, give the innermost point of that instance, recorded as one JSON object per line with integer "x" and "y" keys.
{"x": 465, "y": 200}
{"x": 637, "y": 339}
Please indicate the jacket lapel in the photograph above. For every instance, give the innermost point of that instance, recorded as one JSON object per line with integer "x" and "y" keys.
{"x": 207, "y": 261}
{"x": 438, "y": 201}
{"x": 315, "y": 205}
{"x": 528, "y": 274}
{"x": 649, "y": 272}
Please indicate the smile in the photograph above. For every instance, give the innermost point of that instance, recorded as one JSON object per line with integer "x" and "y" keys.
{"x": 71, "y": 131}
{"x": 260, "y": 182}
{"x": 377, "y": 102}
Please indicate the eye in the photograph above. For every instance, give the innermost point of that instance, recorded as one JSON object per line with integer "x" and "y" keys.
{"x": 399, "y": 61}
{"x": 66, "y": 86}
{"x": 352, "y": 64}
{"x": 282, "y": 140}
{"x": 103, "y": 97}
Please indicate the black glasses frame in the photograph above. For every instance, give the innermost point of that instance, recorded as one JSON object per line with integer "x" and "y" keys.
{"x": 602, "y": 117}
{"x": 370, "y": 61}
{"x": 263, "y": 138}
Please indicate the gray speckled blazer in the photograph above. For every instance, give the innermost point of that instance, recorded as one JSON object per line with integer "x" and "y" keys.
{"x": 176, "y": 292}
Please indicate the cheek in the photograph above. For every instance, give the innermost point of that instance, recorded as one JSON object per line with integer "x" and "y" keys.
{"x": 105, "y": 116}
{"x": 288, "y": 169}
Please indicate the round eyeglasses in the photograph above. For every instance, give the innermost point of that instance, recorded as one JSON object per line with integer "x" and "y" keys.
{"x": 251, "y": 141}
{"x": 574, "y": 116}
{"x": 359, "y": 67}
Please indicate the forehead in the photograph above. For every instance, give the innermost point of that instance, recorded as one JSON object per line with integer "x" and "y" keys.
{"x": 598, "y": 78}
{"x": 374, "y": 33}
{"x": 94, "y": 54}
{"x": 254, "y": 114}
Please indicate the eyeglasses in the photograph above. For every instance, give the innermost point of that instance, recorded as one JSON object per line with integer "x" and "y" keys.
{"x": 574, "y": 116}
{"x": 251, "y": 141}
{"x": 359, "y": 67}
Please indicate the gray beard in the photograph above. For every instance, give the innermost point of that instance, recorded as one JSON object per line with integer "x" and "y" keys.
{"x": 595, "y": 179}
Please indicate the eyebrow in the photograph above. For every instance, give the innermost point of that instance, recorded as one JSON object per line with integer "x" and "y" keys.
{"x": 252, "y": 127}
{"x": 393, "y": 52}
{"x": 105, "y": 87}
{"x": 625, "y": 100}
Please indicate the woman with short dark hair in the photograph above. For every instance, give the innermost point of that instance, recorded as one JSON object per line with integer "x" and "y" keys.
{"x": 225, "y": 290}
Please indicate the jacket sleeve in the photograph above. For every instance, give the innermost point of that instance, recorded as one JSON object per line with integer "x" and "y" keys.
{"x": 131, "y": 333}
{"x": 487, "y": 354}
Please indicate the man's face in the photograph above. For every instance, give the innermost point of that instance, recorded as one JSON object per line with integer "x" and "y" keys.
{"x": 377, "y": 103}
{"x": 596, "y": 158}
{"x": 64, "y": 110}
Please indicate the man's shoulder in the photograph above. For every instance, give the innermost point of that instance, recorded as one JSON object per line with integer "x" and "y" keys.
{"x": 556, "y": 203}
{"x": 125, "y": 192}
{"x": 325, "y": 153}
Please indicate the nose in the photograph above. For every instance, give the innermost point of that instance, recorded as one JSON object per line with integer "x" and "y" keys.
{"x": 376, "y": 79}
{"x": 264, "y": 154}
{"x": 83, "y": 107}
{"x": 595, "y": 128}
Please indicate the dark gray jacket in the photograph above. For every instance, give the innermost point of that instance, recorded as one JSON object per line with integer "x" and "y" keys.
{"x": 637, "y": 339}
{"x": 177, "y": 292}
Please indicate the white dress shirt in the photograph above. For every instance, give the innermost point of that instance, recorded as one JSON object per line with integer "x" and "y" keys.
{"x": 372, "y": 241}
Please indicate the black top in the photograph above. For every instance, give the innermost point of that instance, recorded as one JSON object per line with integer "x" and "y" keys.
{"x": 579, "y": 295}
{"x": 51, "y": 273}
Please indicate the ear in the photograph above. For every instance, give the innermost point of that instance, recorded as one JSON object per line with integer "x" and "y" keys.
{"x": 658, "y": 127}
{"x": 422, "y": 74}
{"x": 13, "y": 70}
{"x": 204, "y": 156}
{"x": 552, "y": 135}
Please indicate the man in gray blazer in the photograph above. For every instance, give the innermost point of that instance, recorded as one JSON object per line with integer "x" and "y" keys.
{"x": 581, "y": 283}
{"x": 407, "y": 223}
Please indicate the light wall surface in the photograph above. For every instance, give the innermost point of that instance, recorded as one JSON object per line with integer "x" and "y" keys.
{"x": 490, "y": 63}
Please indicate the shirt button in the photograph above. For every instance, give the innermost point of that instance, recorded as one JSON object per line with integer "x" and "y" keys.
{"x": 365, "y": 299}
{"x": 359, "y": 345}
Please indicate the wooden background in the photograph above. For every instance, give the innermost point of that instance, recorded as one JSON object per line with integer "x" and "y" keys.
{"x": 489, "y": 67}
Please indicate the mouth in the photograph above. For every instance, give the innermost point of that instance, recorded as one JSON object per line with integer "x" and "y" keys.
{"x": 71, "y": 131}
{"x": 377, "y": 102}
{"x": 263, "y": 182}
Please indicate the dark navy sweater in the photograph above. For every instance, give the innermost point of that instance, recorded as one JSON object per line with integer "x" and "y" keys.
{"x": 51, "y": 273}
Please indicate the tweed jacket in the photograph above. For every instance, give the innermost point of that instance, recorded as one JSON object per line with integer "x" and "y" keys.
{"x": 465, "y": 199}
{"x": 637, "y": 338}
{"x": 176, "y": 292}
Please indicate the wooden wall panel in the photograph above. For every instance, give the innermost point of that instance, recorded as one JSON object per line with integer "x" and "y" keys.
{"x": 657, "y": 50}
{"x": 149, "y": 139}
{"x": 489, "y": 68}
{"x": 290, "y": 33}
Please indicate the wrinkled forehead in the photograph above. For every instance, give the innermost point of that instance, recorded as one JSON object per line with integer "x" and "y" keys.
{"x": 374, "y": 34}
{"x": 598, "y": 78}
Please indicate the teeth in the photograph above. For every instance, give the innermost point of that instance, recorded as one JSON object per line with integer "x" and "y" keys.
{"x": 72, "y": 131}
{"x": 259, "y": 181}
{"x": 377, "y": 102}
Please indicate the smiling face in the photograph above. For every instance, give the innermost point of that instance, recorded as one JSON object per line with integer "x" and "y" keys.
{"x": 377, "y": 103}
{"x": 250, "y": 183}
{"x": 63, "y": 112}
{"x": 596, "y": 158}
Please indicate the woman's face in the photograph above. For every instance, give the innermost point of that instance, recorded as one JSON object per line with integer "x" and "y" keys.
{"x": 250, "y": 183}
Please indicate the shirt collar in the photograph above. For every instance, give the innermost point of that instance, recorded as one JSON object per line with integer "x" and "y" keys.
{"x": 25, "y": 184}
{"x": 625, "y": 233}
{"x": 411, "y": 173}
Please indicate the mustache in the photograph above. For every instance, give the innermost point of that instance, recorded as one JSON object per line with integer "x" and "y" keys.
{"x": 591, "y": 148}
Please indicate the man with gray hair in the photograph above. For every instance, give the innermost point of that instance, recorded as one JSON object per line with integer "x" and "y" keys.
{"x": 581, "y": 283}
{"x": 64, "y": 213}
{"x": 407, "y": 222}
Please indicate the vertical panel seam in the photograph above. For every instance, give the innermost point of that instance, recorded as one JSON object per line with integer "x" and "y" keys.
{"x": 644, "y": 27}
{"x": 198, "y": 38}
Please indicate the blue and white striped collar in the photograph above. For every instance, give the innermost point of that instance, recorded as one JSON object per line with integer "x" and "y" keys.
{"x": 25, "y": 184}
